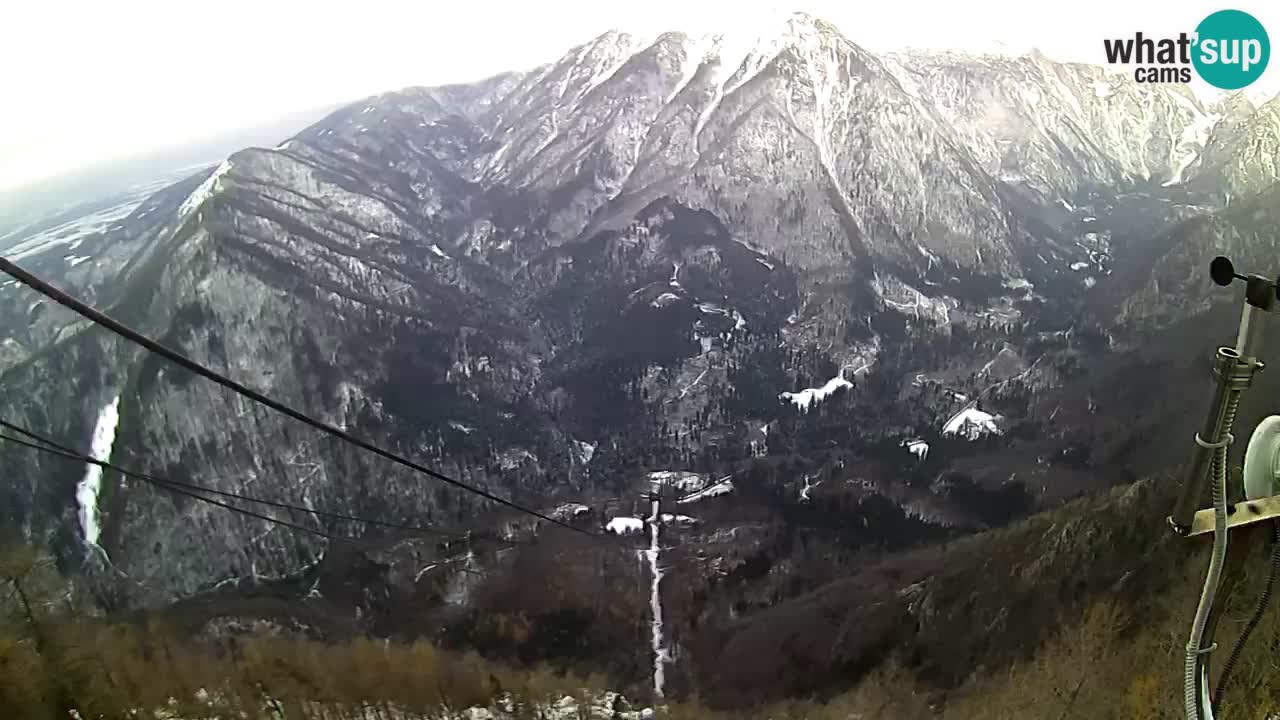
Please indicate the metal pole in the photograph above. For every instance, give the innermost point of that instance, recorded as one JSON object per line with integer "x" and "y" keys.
{"x": 1233, "y": 372}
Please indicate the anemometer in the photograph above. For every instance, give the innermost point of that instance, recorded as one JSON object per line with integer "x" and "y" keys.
{"x": 1234, "y": 369}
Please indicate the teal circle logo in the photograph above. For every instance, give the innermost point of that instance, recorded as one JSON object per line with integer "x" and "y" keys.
{"x": 1231, "y": 49}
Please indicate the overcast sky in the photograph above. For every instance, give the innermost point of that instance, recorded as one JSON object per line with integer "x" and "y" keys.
{"x": 90, "y": 80}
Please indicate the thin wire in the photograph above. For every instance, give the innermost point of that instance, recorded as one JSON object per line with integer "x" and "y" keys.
{"x": 165, "y": 485}
{"x": 1224, "y": 679}
{"x": 118, "y": 328}
{"x": 222, "y": 493}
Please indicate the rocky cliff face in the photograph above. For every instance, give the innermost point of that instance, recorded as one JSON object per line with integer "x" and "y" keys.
{"x": 1237, "y": 170}
{"x": 1239, "y": 158}
{"x": 545, "y": 282}
{"x": 1060, "y": 132}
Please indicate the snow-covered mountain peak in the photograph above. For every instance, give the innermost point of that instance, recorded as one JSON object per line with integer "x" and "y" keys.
{"x": 734, "y": 55}
{"x": 802, "y": 28}
{"x": 801, "y": 33}
{"x": 610, "y": 42}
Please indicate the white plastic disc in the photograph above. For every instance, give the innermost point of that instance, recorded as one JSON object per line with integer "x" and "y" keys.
{"x": 1262, "y": 460}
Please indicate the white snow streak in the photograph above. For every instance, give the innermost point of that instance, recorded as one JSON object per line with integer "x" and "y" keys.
{"x": 424, "y": 571}
{"x": 660, "y": 655}
{"x": 664, "y": 300}
{"x": 205, "y": 190}
{"x": 739, "y": 322}
{"x": 695, "y": 53}
{"x": 1182, "y": 168}
{"x": 679, "y": 519}
{"x": 1192, "y": 141}
{"x": 605, "y": 73}
{"x": 104, "y": 436}
{"x": 809, "y": 485}
{"x": 706, "y": 113}
{"x": 694, "y": 384}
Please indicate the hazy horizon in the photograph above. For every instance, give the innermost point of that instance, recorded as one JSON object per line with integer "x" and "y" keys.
{"x": 141, "y": 76}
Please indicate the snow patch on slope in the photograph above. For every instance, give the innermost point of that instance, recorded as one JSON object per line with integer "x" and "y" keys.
{"x": 809, "y": 485}
{"x": 904, "y": 298}
{"x": 695, "y": 54}
{"x": 205, "y": 190}
{"x": 679, "y": 479}
{"x": 585, "y": 451}
{"x": 723, "y": 487}
{"x": 1192, "y": 141}
{"x": 919, "y": 448}
{"x": 568, "y": 511}
{"x": 624, "y": 525}
{"x": 971, "y": 424}
{"x": 807, "y": 398}
{"x": 669, "y": 518}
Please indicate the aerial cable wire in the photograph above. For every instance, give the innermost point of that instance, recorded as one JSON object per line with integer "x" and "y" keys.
{"x": 165, "y": 485}
{"x": 67, "y": 451}
{"x": 99, "y": 318}
{"x": 1273, "y": 570}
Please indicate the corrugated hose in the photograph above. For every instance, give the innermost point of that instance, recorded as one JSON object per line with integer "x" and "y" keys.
{"x": 1195, "y": 675}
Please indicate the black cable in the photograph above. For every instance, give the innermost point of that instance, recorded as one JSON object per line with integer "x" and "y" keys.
{"x": 1220, "y": 692}
{"x": 118, "y": 328}
{"x": 222, "y": 493}
{"x": 165, "y": 485}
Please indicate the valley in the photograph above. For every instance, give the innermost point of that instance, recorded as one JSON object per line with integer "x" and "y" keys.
{"x": 861, "y": 323}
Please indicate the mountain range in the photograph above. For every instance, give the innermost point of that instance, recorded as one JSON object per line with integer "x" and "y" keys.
{"x": 933, "y": 280}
